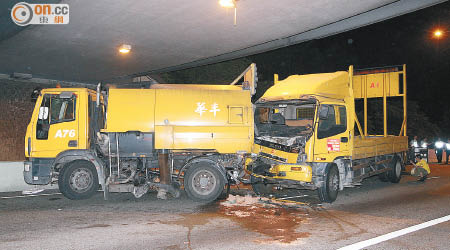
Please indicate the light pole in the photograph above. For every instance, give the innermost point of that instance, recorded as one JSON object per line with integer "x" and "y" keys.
{"x": 230, "y": 4}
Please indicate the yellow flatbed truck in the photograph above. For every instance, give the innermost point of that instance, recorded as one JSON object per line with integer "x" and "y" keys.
{"x": 308, "y": 136}
{"x": 131, "y": 140}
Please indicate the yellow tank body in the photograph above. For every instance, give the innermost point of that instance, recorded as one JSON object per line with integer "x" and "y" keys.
{"x": 199, "y": 117}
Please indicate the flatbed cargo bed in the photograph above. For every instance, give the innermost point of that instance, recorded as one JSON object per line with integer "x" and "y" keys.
{"x": 372, "y": 146}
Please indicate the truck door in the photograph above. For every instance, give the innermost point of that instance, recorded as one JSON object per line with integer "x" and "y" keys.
{"x": 56, "y": 128}
{"x": 332, "y": 135}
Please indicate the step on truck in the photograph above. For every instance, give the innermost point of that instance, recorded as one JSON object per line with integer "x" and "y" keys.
{"x": 308, "y": 136}
{"x": 132, "y": 140}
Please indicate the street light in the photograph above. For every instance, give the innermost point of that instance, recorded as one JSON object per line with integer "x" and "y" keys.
{"x": 437, "y": 33}
{"x": 227, "y": 3}
{"x": 125, "y": 48}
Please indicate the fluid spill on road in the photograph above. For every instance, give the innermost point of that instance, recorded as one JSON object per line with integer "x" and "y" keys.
{"x": 278, "y": 222}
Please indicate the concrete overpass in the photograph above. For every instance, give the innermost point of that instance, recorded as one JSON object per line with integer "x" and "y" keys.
{"x": 176, "y": 34}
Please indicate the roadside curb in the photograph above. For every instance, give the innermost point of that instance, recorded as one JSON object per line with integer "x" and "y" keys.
{"x": 11, "y": 179}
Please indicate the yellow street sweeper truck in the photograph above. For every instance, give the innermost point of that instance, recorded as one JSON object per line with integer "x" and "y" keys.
{"x": 132, "y": 140}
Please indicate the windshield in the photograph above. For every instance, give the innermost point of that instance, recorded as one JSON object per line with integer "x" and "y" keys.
{"x": 61, "y": 110}
{"x": 286, "y": 125}
{"x": 284, "y": 119}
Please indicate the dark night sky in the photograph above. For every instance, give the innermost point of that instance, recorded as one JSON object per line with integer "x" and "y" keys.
{"x": 407, "y": 39}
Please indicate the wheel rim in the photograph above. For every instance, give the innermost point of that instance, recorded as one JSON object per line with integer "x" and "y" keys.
{"x": 398, "y": 169}
{"x": 81, "y": 180}
{"x": 204, "y": 182}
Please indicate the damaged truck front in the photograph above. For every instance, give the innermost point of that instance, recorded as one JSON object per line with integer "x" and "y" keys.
{"x": 305, "y": 135}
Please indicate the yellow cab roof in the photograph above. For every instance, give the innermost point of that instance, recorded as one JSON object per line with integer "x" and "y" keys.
{"x": 58, "y": 90}
{"x": 319, "y": 86}
{"x": 196, "y": 86}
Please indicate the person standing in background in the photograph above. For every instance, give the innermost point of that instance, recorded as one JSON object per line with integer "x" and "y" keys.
{"x": 424, "y": 149}
{"x": 447, "y": 151}
{"x": 439, "y": 148}
{"x": 414, "y": 147}
{"x": 414, "y": 143}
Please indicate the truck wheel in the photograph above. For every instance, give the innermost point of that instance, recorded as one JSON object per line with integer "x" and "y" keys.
{"x": 78, "y": 180}
{"x": 395, "y": 173}
{"x": 261, "y": 188}
{"x": 330, "y": 188}
{"x": 203, "y": 182}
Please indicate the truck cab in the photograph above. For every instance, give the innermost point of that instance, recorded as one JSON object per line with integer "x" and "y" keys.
{"x": 62, "y": 121}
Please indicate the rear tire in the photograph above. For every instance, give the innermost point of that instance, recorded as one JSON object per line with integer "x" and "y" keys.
{"x": 203, "y": 182}
{"x": 395, "y": 173}
{"x": 78, "y": 180}
{"x": 328, "y": 192}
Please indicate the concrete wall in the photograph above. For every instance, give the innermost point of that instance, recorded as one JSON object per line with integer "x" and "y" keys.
{"x": 11, "y": 178}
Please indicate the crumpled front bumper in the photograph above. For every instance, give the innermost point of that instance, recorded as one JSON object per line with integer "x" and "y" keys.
{"x": 296, "y": 172}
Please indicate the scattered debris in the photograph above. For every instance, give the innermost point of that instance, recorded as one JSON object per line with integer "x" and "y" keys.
{"x": 246, "y": 200}
{"x": 94, "y": 226}
{"x": 32, "y": 191}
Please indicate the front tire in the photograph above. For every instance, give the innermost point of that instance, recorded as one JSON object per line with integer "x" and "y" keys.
{"x": 328, "y": 192}
{"x": 203, "y": 182}
{"x": 78, "y": 180}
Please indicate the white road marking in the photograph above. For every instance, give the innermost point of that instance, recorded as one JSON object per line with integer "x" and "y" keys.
{"x": 24, "y": 196}
{"x": 395, "y": 234}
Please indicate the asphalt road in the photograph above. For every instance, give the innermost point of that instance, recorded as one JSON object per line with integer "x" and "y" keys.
{"x": 51, "y": 221}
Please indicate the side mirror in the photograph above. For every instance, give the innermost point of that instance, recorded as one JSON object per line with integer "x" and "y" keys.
{"x": 35, "y": 94}
{"x": 43, "y": 113}
{"x": 323, "y": 112}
